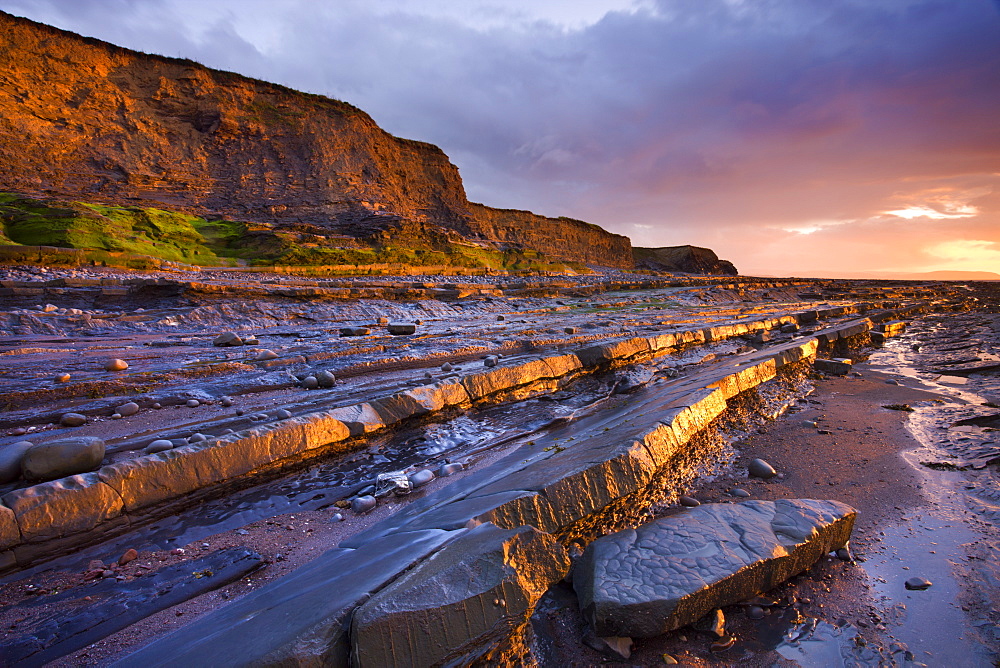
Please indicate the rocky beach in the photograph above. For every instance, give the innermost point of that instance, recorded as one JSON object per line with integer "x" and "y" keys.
{"x": 438, "y": 384}
{"x": 274, "y": 391}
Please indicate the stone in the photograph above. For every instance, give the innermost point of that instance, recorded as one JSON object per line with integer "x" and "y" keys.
{"x": 490, "y": 360}
{"x": 689, "y": 502}
{"x": 192, "y": 403}
{"x": 421, "y": 478}
{"x": 72, "y": 420}
{"x": 755, "y": 612}
{"x": 448, "y": 469}
{"x": 226, "y": 402}
{"x": 359, "y": 418}
{"x": 355, "y": 331}
{"x": 835, "y": 367}
{"x": 643, "y": 582}
{"x": 362, "y": 504}
{"x": 129, "y": 556}
{"x": 197, "y": 438}
{"x": 264, "y": 355}
{"x": 395, "y": 483}
{"x": 759, "y": 468}
{"x": 159, "y": 445}
{"x": 10, "y": 460}
{"x": 569, "y": 330}
{"x": 632, "y": 379}
{"x": 447, "y": 366}
{"x": 789, "y": 328}
{"x": 465, "y": 599}
{"x": 917, "y": 584}
{"x": 283, "y": 414}
{"x": 325, "y": 378}
{"x": 739, "y": 493}
{"x": 251, "y": 341}
{"x": 62, "y": 507}
{"x": 310, "y": 382}
{"x": 227, "y": 339}
{"x": 501, "y": 318}
{"x": 129, "y": 409}
{"x": 383, "y": 320}
{"x": 62, "y": 378}
{"x": 65, "y": 457}
{"x": 617, "y": 645}
{"x": 401, "y": 328}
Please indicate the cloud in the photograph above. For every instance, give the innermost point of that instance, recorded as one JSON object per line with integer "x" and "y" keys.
{"x": 731, "y": 124}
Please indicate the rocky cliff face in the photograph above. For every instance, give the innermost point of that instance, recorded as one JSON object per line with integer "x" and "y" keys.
{"x": 687, "y": 259}
{"x": 86, "y": 119}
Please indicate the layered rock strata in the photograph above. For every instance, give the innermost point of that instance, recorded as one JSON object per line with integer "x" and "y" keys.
{"x": 33, "y": 518}
{"x": 561, "y": 486}
{"x": 81, "y": 118}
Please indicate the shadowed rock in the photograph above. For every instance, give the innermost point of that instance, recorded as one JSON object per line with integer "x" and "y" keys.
{"x": 48, "y": 461}
{"x": 643, "y": 582}
{"x": 461, "y": 602}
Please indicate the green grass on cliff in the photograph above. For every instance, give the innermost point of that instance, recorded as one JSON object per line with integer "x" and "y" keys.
{"x": 169, "y": 235}
{"x": 145, "y": 231}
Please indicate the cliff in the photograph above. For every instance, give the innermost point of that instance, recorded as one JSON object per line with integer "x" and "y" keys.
{"x": 687, "y": 259}
{"x": 82, "y": 118}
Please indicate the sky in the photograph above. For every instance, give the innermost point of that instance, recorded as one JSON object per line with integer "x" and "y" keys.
{"x": 793, "y": 137}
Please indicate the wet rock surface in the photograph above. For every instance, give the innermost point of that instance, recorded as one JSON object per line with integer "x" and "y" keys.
{"x": 461, "y": 602}
{"x": 671, "y": 572}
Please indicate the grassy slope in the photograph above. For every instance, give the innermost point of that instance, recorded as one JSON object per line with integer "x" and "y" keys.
{"x": 185, "y": 238}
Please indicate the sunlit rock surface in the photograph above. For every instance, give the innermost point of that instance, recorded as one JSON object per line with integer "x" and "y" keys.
{"x": 460, "y": 602}
{"x": 643, "y": 582}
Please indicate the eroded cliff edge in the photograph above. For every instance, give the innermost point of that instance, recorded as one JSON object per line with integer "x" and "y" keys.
{"x": 86, "y": 119}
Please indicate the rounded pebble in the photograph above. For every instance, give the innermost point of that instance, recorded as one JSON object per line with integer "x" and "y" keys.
{"x": 116, "y": 416}
{"x": 197, "y": 438}
{"x": 723, "y": 644}
{"x": 157, "y": 405}
{"x": 18, "y": 431}
{"x": 283, "y": 414}
{"x": 491, "y": 361}
{"x": 447, "y": 366}
{"x": 310, "y": 383}
{"x": 917, "y": 584}
{"x": 755, "y": 612}
{"x": 337, "y": 517}
{"x": 265, "y": 355}
{"x": 72, "y": 420}
{"x": 125, "y": 410}
{"x": 449, "y": 469}
{"x": 761, "y": 469}
{"x": 739, "y": 493}
{"x": 689, "y": 502}
{"x": 62, "y": 377}
{"x": 421, "y": 478}
{"x": 116, "y": 365}
{"x": 159, "y": 445}
{"x": 192, "y": 403}
{"x": 362, "y": 504}
{"x": 226, "y": 402}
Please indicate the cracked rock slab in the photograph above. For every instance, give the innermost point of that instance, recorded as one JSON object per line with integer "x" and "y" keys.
{"x": 642, "y": 582}
{"x": 459, "y": 603}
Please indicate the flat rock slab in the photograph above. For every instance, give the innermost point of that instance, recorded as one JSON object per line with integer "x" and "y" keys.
{"x": 301, "y": 619}
{"x": 461, "y": 602}
{"x": 111, "y": 605}
{"x": 642, "y": 582}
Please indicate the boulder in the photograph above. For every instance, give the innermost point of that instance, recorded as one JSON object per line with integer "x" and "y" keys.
{"x": 116, "y": 365}
{"x": 10, "y": 460}
{"x": 395, "y": 483}
{"x": 639, "y": 583}
{"x": 73, "y": 420}
{"x": 401, "y": 328}
{"x": 125, "y": 410}
{"x": 227, "y": 339}
{"x": 57, "y": 459}
{"x": 759, "y": 468}
{"x": 459, "y": 603}
{"x": 355, "y": 331}
{"x": 325, "y": 378}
